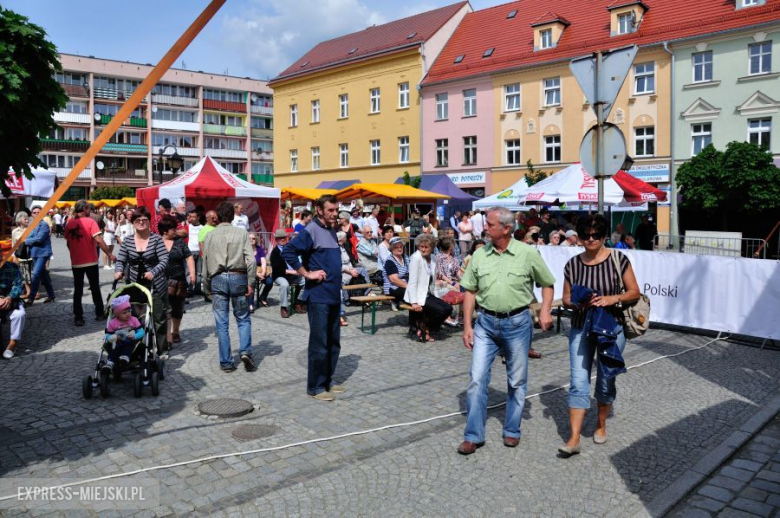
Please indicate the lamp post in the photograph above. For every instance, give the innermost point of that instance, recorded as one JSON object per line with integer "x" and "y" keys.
{"x": 175, "y": 160}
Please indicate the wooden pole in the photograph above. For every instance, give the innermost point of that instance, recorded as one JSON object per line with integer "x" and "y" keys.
{"x": 131, "y": 104}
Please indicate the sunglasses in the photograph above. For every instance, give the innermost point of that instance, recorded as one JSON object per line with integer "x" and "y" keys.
{"x": 596, "y": 236}
{"x": 141, "y": 220}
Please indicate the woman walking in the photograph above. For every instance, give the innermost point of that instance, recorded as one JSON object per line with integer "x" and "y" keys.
{"x": 419, "y": 289}
{"x": 594, "y": 269}
{"x": 39, "y": 242}
{"x": 109, "y": 238}
{"x": 178, "y": 255}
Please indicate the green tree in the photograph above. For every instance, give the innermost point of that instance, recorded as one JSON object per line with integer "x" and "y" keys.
{"x": 533, "y": 175}
{"x": 413, "y": 181}
{"x": 112, "y": 193}
{"x": 29, "y": 94}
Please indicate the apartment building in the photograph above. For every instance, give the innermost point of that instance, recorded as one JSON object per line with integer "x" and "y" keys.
{"x": 194, "y": 114}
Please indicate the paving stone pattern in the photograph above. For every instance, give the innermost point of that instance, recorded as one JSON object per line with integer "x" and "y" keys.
{"x": 669, "y": 414}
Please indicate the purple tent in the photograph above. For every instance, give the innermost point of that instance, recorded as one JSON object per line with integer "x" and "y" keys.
{"x": 441, "y": 184}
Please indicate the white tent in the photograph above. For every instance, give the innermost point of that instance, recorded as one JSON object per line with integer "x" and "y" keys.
{"x": 506, "y": 198}
{"x": 571, "y": 185}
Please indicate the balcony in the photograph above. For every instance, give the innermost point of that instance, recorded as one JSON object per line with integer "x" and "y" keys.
{"x": 52, "y": 144}
{"x": 136, "y": 122}
{"x": 121, "y": 174}
{"x": 262, "y": 110}
{"x": 125, "y": 148}
{"x": 183, "y": 151}
{"x": 226, "y": 153}
{"x": 80, "y": 118}
{"x": 218, "y": 129}
{"x": 228, "y": 106}
{"x": 63, "y": 172}
{"x": 267, "y": 179}
{"x": 174, "y": 100}
{"x": 75, "y": 90}
{"x": 262, "y": 133}
{"x": 175, "y": 125}
{"x": 114, "y": 95}
{"x": 263, "y": 156}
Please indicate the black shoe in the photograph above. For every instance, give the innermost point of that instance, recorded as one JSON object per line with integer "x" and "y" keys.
{"x": 100, "y": 318}
{"x": 79, "y": 322}
{"x": 228, "y": 368}
{"x": 207, "y": 299}
{"x": 249, "y": 363}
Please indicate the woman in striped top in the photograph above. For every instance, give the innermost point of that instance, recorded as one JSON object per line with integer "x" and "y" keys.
{"x": 396, "y": 271}
{"x": 143, "y": 259}
{"x": 594, "y": 269}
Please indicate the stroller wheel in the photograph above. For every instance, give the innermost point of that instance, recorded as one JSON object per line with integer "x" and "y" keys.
{"x": 104, "y": 390}
{"x": 155, "y": 382}
{"x": 117, "y": 374}
{"x": 137, "y": 384}
{"x": 160, "y": 368}
{"x": 86, "y": 387}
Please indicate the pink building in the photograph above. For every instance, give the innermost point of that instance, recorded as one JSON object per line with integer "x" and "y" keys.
{"x": 458, "y": 132}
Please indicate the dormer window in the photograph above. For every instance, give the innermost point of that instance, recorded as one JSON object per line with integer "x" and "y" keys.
{"x": 545, "y": 39}
{"x": 627, "y": 16}
{"x": 548, "y": 30}
{"x": 749, "y": 3}
{"x": 626, "y": 23}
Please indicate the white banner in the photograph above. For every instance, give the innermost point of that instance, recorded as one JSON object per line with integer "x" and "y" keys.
{"x": 729, "y": 294}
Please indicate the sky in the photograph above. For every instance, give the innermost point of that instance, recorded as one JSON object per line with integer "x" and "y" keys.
{"x": 254, "y": 38}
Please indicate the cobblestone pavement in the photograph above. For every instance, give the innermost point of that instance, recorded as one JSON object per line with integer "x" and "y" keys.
{"x": 747, "y": 485}
{"x": 669, "y": 415}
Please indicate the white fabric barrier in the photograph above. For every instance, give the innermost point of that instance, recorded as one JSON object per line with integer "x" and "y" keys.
{"x": 729, "y": 294}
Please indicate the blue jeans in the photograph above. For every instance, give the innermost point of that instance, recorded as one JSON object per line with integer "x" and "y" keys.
{"x": 324, "y": 346}
{"x": 40, "y": 274}
{"x": 224, "y": 288}
{"x": 582, "y": 350}
{"x": 512, "y": 336}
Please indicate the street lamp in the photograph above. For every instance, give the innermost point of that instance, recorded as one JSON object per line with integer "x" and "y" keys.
{"x": 176, "y": 161}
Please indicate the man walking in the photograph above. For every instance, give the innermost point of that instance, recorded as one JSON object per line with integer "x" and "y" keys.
{"x": 229, "y": 271}
{"x": 318, "y": 248}
{"x": 83, "y": 238}
{"x": 500, "y": 278}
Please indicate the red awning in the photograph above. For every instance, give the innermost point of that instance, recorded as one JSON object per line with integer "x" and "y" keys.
{"x": 637, "y": 191}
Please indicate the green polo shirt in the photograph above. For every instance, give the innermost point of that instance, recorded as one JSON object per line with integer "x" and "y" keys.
{"x": 505, "y": 281}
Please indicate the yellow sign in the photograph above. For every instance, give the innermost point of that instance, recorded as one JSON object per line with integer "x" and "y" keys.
{"x": 506, "y": 194}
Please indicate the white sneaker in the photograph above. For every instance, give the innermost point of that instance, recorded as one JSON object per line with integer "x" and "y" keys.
{"x": 8, "y": 354}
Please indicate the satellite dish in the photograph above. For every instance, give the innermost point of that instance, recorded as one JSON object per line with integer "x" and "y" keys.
{"x": 99, "y": 165}
{"x": 97, "y": 116}
{"x": 154, "y": 109}
{"x": 254, "y": 97}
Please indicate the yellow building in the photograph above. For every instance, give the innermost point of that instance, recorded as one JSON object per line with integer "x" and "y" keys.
{"x": 349, "y": 109}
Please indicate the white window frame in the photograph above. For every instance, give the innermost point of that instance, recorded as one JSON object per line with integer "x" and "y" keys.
{"x": 704, "y": 132}
{"x": 403, "y": 95}
{"x": 403, "y": 150}
{"x": 512, "y": 97}
{"x": 343, "y": 155}
{"x": 643, "y": 136}
{"x": 748, "y": 3}
{"x": 315, "y": 158}
{"x": 644, "y": 77}
{"x": 512, "y": 154}
{"x": 701, "y": 61}
{"x": 470, "y": 103}
{"x": 442, "y": 107}
{"x": 293, "y": 115}
{"x": 376, "y": 100}
{"x": 763, "y": 131}
{"x": 625, "y": 23}
{"x": 315, "y": 111}
{"x": 293, "y": 160}
{"x": 545, "y": 39}
{"x": 344, "y": 106}
{"x": 376, "y": 152}
{"x": 470, "y": 150}
{"x": 442, "y": 152}
{"x": 552, "y": 143}
{"x": 764, "y": 55}
{"x": 552, "y": 85}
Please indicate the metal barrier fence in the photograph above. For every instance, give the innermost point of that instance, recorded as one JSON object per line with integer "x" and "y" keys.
{"x": 723, "y": 246}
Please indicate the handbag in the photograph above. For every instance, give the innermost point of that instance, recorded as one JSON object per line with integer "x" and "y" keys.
{"x": 454, "y": 297}
{"x": 636, "y": 316}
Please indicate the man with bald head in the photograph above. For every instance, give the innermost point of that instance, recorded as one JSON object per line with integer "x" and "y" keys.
{"x": 211, "y": 223}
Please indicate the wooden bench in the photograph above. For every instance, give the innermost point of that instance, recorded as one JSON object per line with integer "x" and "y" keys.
{"x": 370, "y": 301}
{"x": 353, "y": 287}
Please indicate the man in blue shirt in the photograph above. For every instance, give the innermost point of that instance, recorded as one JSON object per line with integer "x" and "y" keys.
{"x": 320, "y": 264}
{"x": 306, "y": 217}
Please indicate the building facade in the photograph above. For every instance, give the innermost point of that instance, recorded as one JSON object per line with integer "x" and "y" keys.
{"x": 193, "y": 113}
{"x": 350, "y": 108}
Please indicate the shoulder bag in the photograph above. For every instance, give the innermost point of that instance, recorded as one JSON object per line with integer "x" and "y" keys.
{"x": 636, "y": 316}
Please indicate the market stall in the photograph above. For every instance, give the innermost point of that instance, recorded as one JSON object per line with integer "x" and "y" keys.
{"x": 442, "y": 184}
{"x": 390, "y": 194}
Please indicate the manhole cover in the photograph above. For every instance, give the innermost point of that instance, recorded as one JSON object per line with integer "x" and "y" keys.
{"x": 250, "y": 432}
{"x": 225, "y": 407}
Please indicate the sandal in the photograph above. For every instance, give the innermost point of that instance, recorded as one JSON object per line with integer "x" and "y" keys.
{"x": 175, "y": 338}
{"x": 264, "y": 303}
{"x": 343, "y": 322}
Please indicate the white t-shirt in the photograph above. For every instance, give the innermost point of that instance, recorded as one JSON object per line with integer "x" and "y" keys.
{"x": 477, "y": 224}
{"x": 241, "y": 221}
{"x": 57, "y": 218}
{"x": 192, "y": 242}
{"x": 109, "y": 231}
{"x": 124, "y": 230}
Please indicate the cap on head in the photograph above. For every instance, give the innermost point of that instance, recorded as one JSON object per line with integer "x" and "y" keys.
{"x": 395, "y": 241}
{"x": 280, "y": 233}
{"x": 120, "y": 303}
{"x": 570, "y": 233}
{"x": 416, "y": 210}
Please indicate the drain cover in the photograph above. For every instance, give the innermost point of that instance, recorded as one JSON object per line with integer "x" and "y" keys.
{"x": 250, "y": 432}
{"x": 225, "y": 407}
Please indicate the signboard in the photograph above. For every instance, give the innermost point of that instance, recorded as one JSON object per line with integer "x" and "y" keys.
{"x": 461, "y": 178}
{"x": 612, "y": 72}
{"x": 650, "y": 173}
{"x": 713, "y": 243}
{"x": 614, "y": 146}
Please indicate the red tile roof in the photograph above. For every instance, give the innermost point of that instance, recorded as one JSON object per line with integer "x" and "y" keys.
{"x": 406, "y": 32}
{"x": 549, "y": 17}
{"x": 589, "y": 29}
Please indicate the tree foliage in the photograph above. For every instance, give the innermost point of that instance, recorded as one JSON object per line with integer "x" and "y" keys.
{"x": 413, "y": 181}
{"x": 533, "y": 175}
{"x": 112, "y": 193}
{"x": 29, "y": 94}
{"x": 742, "y": 179}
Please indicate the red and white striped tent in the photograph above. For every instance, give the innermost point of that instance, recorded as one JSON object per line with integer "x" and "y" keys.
{"x": 207, "y": 183}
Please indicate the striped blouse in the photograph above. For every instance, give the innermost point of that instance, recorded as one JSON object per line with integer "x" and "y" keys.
{"x": 154, "y": 259}
{"x": 392, "y": 266}
{"x": 600, "y": 277}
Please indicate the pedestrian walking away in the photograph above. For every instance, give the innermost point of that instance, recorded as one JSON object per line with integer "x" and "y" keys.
{"x": 39, "y": 243}
{"x": 320, "y": 264}
{"x": 229, "y": 271}
{"x": 500, "y": 278}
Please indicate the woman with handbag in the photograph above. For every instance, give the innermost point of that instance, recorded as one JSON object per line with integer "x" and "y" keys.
{"x": 179, "y": 254}
{"x": 594, "y": 269}
{"x": 448, "y": 275}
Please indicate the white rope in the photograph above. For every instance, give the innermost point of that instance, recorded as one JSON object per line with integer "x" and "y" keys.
{"x": 340, "y": 436}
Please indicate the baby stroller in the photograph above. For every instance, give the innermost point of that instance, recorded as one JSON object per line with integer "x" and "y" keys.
{"x": 147, "y": 369}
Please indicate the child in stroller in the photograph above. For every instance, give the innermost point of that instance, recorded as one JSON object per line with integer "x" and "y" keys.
{"x": 122, "y": 333}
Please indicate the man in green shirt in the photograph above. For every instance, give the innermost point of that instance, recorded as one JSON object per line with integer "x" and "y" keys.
{"x": 500, "y": 278}
{"x": 211, "y": 223}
